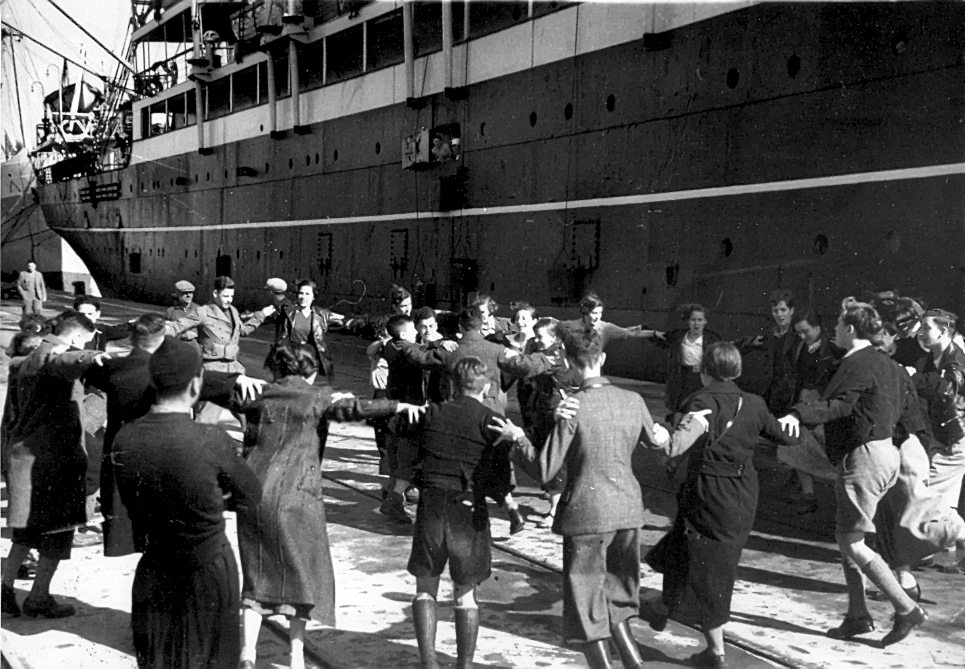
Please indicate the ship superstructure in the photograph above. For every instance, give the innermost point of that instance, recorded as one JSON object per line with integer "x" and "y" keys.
{"x": 656, "y": 153}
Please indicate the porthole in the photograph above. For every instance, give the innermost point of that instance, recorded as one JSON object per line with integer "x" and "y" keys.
{"x": 267, "y": 168}
{"x": 482, "y": 129}
{"x": 532, "y": 119}
{"x": 171, "y": 182}
{"x": 672, "y": 273}
{"x": 378, "y": 148}
{"x": 185, "y": 253}
{"x": 291, "y": 163}
{"x": 316, "y": 158}
{"x": 281, "y": 254}
{"x": 261, "y": 128}
{"x": 611, "y": 102}
{"x": 726, "y": 247}
{"x": 820, "y": 245}
{"x": 793, "y": 65}
{"x": 335, "y": 156}
{"x": 568, "y": 111}
{"x": 207, "y": 176}
{"x": 226, "y": 174}
{"x": 130, "y": 188}
{"x": 733, "y": 77}
{"x": 257, "y": 255}
{"x": 308, "y": 160}
{"x": 195, "y": 178}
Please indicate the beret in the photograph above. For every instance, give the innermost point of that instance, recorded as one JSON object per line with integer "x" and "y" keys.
{"x": 174, "y": 364}
{"x": 277, "y": 285}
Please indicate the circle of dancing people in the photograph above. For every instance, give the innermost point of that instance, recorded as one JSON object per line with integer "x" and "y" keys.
{"x": 874, "y": 404}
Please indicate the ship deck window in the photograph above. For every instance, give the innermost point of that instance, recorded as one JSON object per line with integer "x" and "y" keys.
{"x": 263, "y": 82}
{"x": 487, "y": 16}
{"x": 385, "y": 40}
{"x": 181, "y": 111}
{"x": 344, "y": 54}
{"x": 218, "y": 97}
{"x": 311, "y": 65}
{"x": 245, "y": 88}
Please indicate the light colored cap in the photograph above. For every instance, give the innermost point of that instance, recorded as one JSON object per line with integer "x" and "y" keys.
{"x": 276, "y": 285}
{"x": 184, "y": 287}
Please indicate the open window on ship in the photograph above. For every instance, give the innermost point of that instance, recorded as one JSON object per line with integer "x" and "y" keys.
{"x": 429, "y": 147}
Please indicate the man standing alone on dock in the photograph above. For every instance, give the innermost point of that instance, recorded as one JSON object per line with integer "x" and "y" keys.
{"x": 32, "y": 290}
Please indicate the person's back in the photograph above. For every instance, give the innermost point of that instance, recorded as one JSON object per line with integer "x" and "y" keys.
{"x": 455, "y": 438}
{"x": 597, "y": 447}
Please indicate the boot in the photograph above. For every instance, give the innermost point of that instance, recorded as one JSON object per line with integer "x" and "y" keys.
{"x": 626, "y": 645}
{"x": 467, "y": 629}
{"x": 597, "y": 654}
{"x": 393, "y": 507}
{"x": 424, "y": 618}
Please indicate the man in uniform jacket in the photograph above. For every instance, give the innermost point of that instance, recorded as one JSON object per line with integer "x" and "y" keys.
{"x": 220, "y": 327}
{"x": 601, "y": 510}
{"x": 32, "y": 289}
{"x": 45, "y": 461}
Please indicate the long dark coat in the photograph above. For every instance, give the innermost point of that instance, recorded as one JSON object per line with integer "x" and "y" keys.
{"x": 284, "y": 540}
{"x": 717, "y": 504}
{"x": 45, "y": 455}
{"x": 319, "y": 322}
{"x": 127, "y": 383}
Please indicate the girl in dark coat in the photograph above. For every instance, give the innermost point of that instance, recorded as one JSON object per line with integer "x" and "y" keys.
{"x": 283, "y": 540}
{"x": 686, "y": 348}
{"x": 717, "y": 502}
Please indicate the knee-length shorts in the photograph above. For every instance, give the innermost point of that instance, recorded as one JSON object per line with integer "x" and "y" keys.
{"x": 451, "y": 528}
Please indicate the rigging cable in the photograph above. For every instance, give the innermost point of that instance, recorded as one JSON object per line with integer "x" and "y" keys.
{"x": 16, "y": 32}
{"x": 96, "y": 41}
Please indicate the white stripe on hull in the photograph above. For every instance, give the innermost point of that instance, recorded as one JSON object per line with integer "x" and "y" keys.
{"x": 925, "y": 172}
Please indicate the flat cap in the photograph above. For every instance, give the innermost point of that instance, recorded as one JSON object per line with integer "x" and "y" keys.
{"x": 184, "y": 287}
{"x": 276, "y": 285}
{"x": 174, "y": 364}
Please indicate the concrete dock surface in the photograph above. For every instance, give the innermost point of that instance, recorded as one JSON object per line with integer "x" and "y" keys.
{"x": 790, "y": 587}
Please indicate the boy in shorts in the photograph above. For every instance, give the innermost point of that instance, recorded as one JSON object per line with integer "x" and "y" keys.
{"x": 461, "y": 462}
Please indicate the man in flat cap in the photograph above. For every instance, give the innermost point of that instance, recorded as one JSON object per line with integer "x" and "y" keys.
{"x": 176, "y": 478}
{"x": 183, "y": 305}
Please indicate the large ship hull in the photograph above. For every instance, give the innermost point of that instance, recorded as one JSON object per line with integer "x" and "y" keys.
{"x": 812, "y": 147}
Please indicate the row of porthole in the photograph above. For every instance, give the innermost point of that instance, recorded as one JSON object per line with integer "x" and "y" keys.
{"x": 819, "y": 245}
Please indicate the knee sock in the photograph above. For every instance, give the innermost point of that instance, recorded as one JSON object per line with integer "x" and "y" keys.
{"x": 879, "y": 574}
{"x": 857, "y": 604}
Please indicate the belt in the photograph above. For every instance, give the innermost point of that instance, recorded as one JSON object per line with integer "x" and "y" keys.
{"x": 724, "y": 469}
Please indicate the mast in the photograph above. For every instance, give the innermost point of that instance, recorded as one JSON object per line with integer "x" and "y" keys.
{"x": 16, "y": 88}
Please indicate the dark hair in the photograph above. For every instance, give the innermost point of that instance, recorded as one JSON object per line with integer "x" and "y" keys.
{"x": 34, "y": 324}
{"x": 423, "y": 314}
{"x": 781, "y": 295}
{"x": 485, "y": 300}
{"x": 23, "y": 343}
{"x": 222, "y": 282}
{"x": 686, "y": 310}
{"x": 146, "y": 328}
{"x": 516, "y": 307}
{"x": 86, "y": 299}
{"x": 722, "y": 361}
{"x": 292, "y": 360}
{"x": 808, "y": 316}
{"x": 71, "y": 321}
{"x": 448, "y": 324}
{"x": 398, "y": 295}
{"x": 943, "y": 319}
{"x": 310, "y": 284}
{"x": 583, "y": 346}
{"x": 590, "y": 302}
{"x": 861, "y": 316}
{"x": 551, "y": 325}
{"x": 469, "y": 375}
{"x": 395, "y": 324}
{"x": 470, "y": 320}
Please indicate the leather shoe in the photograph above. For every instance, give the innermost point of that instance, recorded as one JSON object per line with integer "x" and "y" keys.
{"x": 47, "y": 607}
{"x": 393, "y": 507}
{"x": 516, "y": 522}
{"x": 8, "y": 602}
{"x": 904, "y": 624}
{"x": 708, "y": 659}
{"x": 852, "y": 627}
